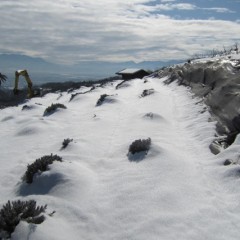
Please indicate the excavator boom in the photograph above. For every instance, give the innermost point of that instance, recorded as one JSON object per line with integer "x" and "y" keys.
{"x": 23, "y": 73}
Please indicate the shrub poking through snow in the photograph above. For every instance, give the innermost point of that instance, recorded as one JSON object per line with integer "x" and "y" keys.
{"x": 51, "y": 109}
{"x": 14, "y": 212}
{"x": 140, "y": 145}
{"x": 26, "y": 107}
{"x": 147, "y": 92}
{"x": 73, "y": 95}
{"x": 121, "y": 84}
{"x": 101, "y": 99}
{"x": 227, "y": 162}
{"x": 66, "y": 142}
{"x": 149, "y": 115}
{"x": 40, "y": 165}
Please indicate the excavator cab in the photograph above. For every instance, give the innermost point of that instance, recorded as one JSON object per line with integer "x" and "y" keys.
{"x": 23, "y": 73}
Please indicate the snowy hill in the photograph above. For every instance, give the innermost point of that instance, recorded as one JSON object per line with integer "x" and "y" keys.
{"x": 176, "y": 190}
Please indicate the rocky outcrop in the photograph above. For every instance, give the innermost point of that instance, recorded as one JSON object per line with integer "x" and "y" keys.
{"x": 217, "y": 82}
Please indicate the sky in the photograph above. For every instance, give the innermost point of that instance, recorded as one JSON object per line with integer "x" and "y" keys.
{"x": 71, "y": 31}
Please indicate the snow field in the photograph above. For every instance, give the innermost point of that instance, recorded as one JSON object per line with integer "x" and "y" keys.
{"x": 177, "y": 191}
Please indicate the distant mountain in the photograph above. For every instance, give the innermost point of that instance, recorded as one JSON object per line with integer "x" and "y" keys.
{"x": 43, "y": 71}
{"x": 13, "y": 62}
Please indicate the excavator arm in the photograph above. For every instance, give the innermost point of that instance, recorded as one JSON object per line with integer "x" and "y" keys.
{"x": 23, "y": 73}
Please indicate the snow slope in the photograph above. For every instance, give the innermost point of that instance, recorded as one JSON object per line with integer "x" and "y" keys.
{"x": 179, "y": 190}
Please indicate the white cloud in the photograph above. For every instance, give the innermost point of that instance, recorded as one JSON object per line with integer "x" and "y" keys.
{"x": 164, "y": 7}
{"x": 114, "y": 30}
{"x": 219, "y": 10}
{"x": 182, "y": 6}
{"x": 163, "y": 1}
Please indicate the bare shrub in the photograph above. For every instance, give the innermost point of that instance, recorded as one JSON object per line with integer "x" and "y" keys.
{"x": 14, "y": 212}
{"x": 149, "y": 115}
{"x": 27, "y": 107}
{"x": 227, "y": 162}
{"x": 66, "y": 142}
{"x": 147, "y": 92}
{"x": 40, "y": 165}
{"x": 140, "y": 145}
{"x": 121, "y": 84}
{"x": 73, "y": 95}
{"x": 235, "y": 47}
{"x": 51, "y": 109}
{"x": 101, "y": 99}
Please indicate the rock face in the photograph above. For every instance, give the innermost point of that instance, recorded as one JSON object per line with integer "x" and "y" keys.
{"x": 218, "y": 83}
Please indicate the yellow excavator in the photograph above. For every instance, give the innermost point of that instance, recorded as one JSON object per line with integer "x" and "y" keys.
{"x": 23, "y": 73}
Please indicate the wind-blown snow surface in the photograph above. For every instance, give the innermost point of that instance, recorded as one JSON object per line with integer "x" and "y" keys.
{"x": 179, "y": 190}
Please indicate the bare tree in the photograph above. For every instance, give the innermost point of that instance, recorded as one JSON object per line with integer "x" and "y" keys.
{"x": 236, "y": 47}
{"x": 224, "y": 50}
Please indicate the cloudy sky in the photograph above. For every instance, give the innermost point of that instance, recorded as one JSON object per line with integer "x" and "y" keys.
{"x": 69, "y": 31}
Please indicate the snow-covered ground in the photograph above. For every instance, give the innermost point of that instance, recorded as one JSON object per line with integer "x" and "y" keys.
{"x": 179, "y": 190}
{"x": 234, "y": 55}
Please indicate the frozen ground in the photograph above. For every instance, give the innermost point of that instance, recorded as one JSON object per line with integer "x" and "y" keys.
{"x": 179, "y": 190}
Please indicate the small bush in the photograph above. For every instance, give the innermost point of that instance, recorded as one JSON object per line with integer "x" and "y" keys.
{"x": 121, "y": 84}
{"x": 149, "y": 115}
{"x": 73, "y": 95}
{"x": 66, "y": 142}
{"x": 227, "y": 162}
{"x": 101, "y": 99}
{"x": 51, "y": 109}
{"x": 140, "y": 145}
{"x": 26, "y": 107}
{"x": 40, "y": 165}
{"x": 147, "y": 92}
{"x": 14, "y": 212}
